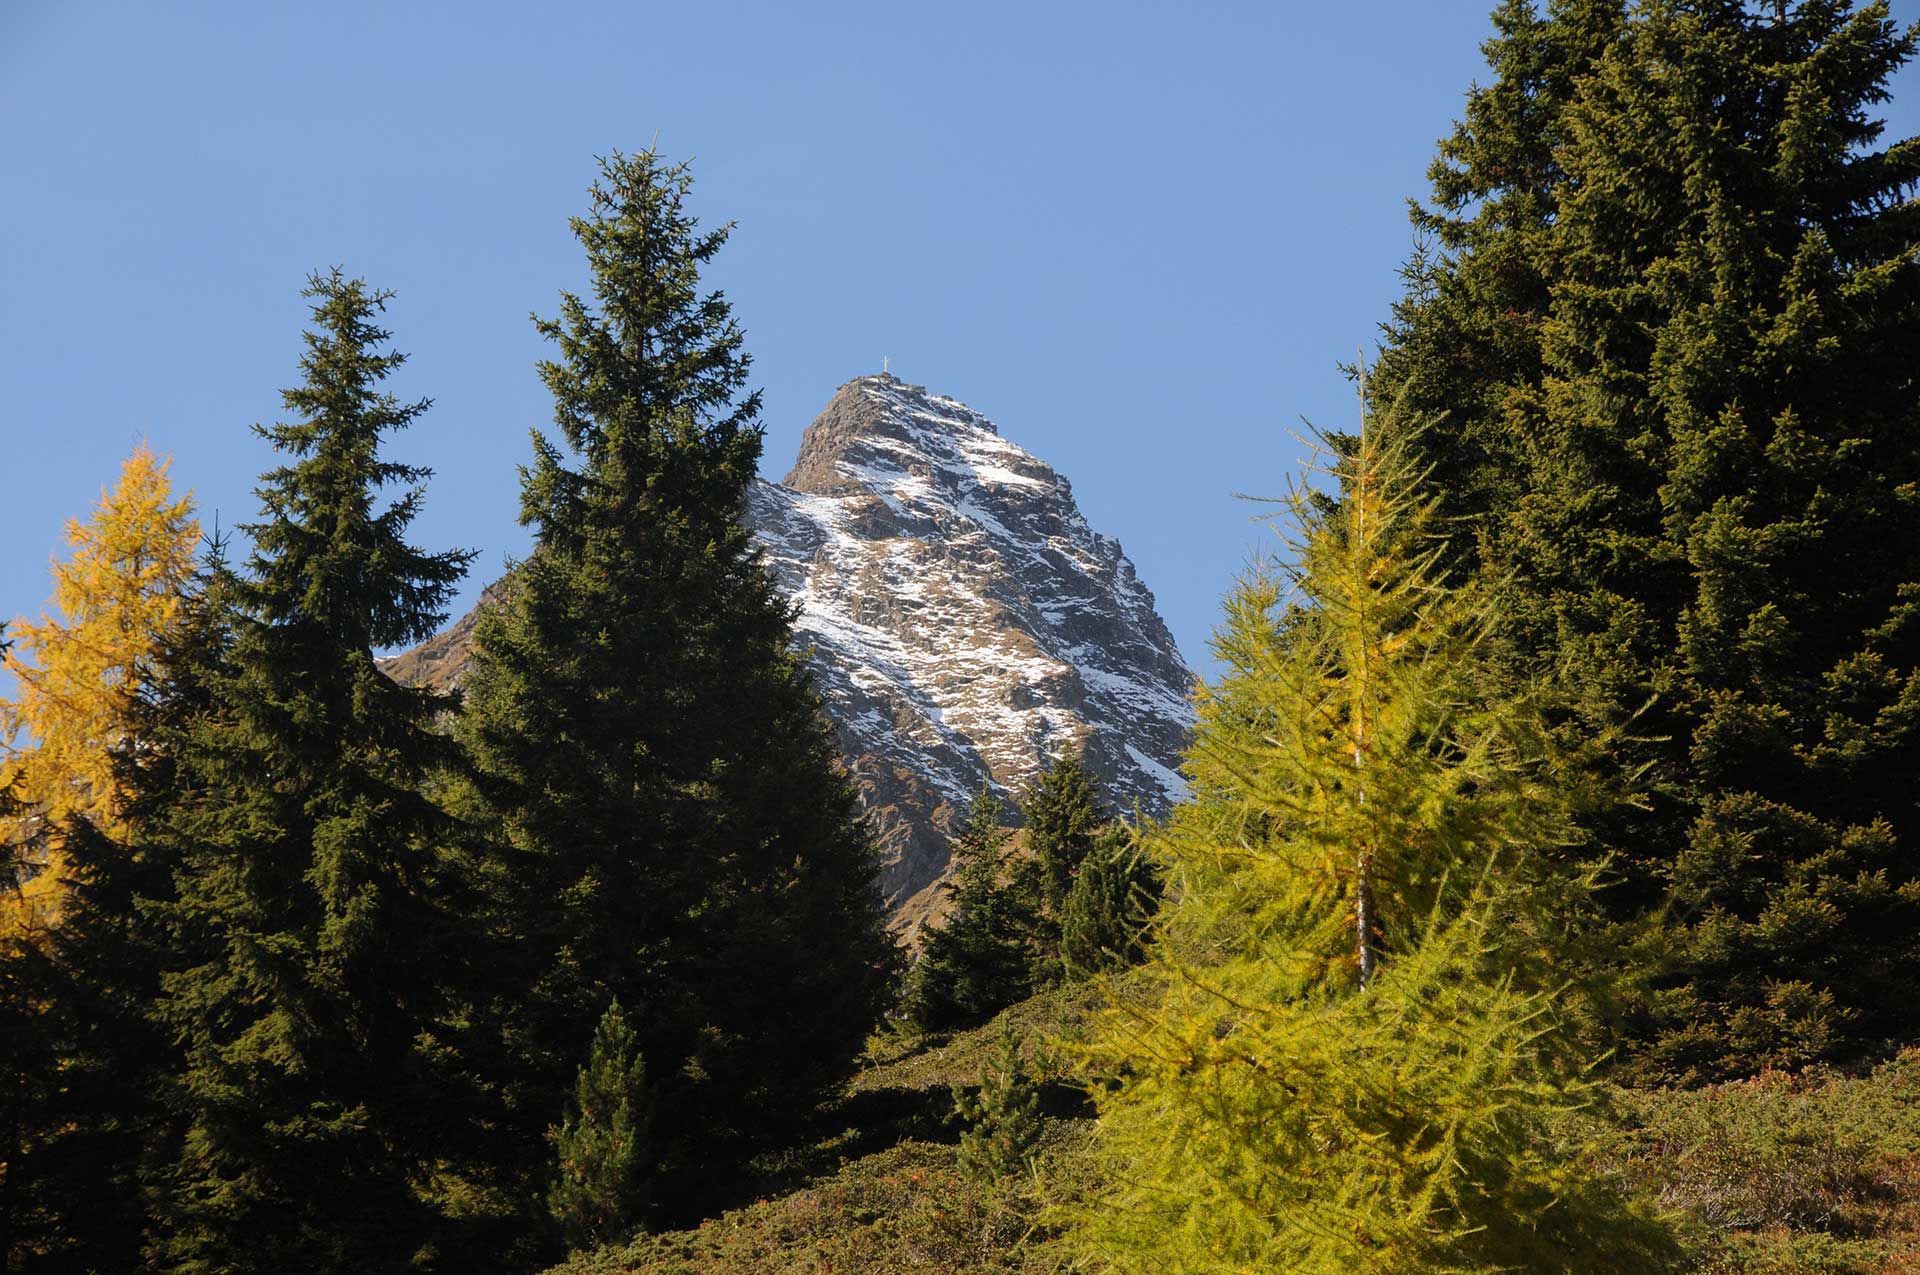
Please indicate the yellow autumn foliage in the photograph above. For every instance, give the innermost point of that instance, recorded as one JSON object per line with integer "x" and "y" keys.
{"x": 75, "y": 675}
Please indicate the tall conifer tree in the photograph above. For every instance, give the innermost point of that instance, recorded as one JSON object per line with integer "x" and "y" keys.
{"x": 92, "y": 1138}
{"x": 1063, "y": 814}
{"x": 80, "y": 966}
{"x": 305, "y": 1004}
{"x": 1679, "y": 362}
{"x": 647, "y": 740}
{"x": 1361, "y": 1059}
{"x": 1466, "y": 333}
{"x": 974, "y": 962}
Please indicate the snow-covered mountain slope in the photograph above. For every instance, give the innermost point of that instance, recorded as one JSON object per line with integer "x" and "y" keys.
{"x": 966, "y": 623}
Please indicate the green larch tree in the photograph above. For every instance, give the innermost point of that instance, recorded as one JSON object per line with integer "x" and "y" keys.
{"x": 1363, "y": 1057}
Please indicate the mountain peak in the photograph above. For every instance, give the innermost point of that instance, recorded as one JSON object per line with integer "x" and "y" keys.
{"x": 881, "y": 413}
{"x": 966, "y": 619}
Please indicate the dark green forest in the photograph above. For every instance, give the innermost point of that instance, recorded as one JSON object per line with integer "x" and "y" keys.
{"x": 1547, "y": 897}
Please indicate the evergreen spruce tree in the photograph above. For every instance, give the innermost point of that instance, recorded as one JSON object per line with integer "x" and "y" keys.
{"x": 79, "y": 994}
{"x": 648, "y": 745}
{"x": 312, "y": 1096}
{"x": 1108, "y": 912}
{"x": 605, "y": 1163}
{"x": 80, "y": 1059}
{"x": 976, "y": 850}
{"x": 1002, "y": 1115}
{"x": 974, "y": 960}
{"x": 23, "y": 1065}
{"x": 1678, "y": 362}
{"x": 1466, "y": 333}
{"x": 107, "y": 1125}
{"x": 86, "y": 1067}
{"x": 1363, "y": 1058}
{"x": 20, "y": 1064}
{"x": 1062, "y": 813}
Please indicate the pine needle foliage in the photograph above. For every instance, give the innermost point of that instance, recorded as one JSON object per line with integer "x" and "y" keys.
{"x": 1670, "y": 318}
{"x": 974, "y": 961}
{"x": 1105, "y": 921}
{"x": 605, "y": 1165}
{"x": 648, "y": 750}
{"x": 1364, "y": 1058}
{"x": 1063, "y": 814}
{"x": 306, "y": 1003}
{"x": 81, "y": 1051}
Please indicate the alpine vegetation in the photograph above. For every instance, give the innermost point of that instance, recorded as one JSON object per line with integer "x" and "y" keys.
{"x": 1361, "y": 1057}
{"x": 647, "y": 750}
{"x": 1669, "y": 318}
{"x": 308, "y": 941}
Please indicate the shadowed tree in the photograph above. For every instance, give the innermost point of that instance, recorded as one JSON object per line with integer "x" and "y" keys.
{"x": 1671, "y": 325}
{"x": 314, "y": 1092}
{"x": 648, "y": 747}
{"x": 973, "y": 963}
{"x": 606, "y": 1166}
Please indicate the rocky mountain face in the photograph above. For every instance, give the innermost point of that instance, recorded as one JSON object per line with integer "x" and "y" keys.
{"x": 966, "y": 623}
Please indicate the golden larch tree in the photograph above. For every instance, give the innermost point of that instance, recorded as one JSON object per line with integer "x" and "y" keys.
{"x": 76, "y": 673}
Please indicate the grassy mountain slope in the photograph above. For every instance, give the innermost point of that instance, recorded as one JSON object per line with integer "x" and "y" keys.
{"x": 1811, "y": 1174}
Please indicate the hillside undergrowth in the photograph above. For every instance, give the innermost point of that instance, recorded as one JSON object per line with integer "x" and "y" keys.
{"x": 1815, "y": 1173}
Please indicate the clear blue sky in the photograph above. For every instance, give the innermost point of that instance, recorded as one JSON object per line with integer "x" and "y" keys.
{"x": 1139, "y": 236}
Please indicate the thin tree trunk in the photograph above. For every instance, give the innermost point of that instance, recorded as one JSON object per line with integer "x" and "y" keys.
{"x": 1365, "y": 922}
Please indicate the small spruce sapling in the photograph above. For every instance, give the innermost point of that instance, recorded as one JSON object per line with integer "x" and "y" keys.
{"x": 1109, "y": 909}
{"x": 605, "y": 1170}
{"x": 974, "y": 964}
{"x": 1003, "y": 1115}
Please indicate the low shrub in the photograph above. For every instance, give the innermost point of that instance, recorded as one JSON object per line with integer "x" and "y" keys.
{"x": 1809, "y": 1173}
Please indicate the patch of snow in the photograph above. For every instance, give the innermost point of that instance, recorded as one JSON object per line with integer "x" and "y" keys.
{"x": 1172, "y": 782}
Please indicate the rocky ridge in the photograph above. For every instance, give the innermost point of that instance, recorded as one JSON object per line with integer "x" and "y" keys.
{"x": 965, "y": 623}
